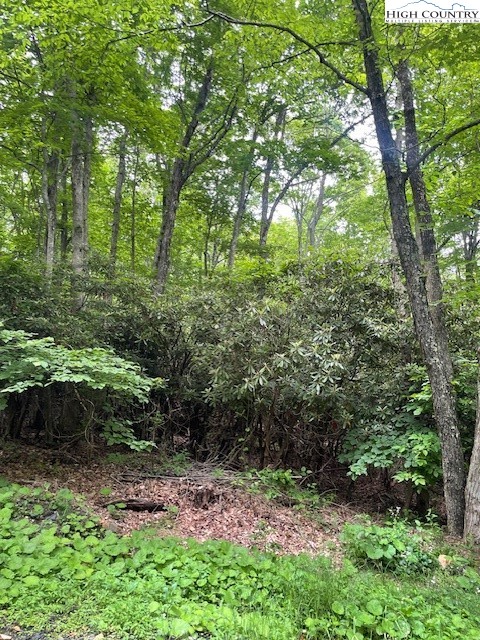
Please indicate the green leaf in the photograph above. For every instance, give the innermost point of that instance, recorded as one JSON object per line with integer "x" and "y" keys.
{"x": 374, "y": 607}
{"x": 338, "y": 608}
{"x": 374, "y": 553}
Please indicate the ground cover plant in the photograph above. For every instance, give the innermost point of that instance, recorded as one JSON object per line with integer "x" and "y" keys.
{"x": 61, "y": 571}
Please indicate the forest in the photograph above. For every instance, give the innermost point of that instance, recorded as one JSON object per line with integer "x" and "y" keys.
{"x": 246, "y": 235}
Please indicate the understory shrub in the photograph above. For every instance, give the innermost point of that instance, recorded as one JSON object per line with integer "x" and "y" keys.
{"x": 398, "y": 546}
{"x": 63, "y": 390}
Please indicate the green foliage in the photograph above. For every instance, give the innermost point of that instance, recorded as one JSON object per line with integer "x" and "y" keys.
{"x": 281, "y": 484}
{"x": 377, "y": 612}
{"x": 28, "y": 362}
{"x": 299, "y": 361}
{"x": 398, "y": 546}
{"x": 59, "y": 574}
{"x": 120, "y": 431}
{"x": 398, "y": 442}
{"x": 420, "y": 401}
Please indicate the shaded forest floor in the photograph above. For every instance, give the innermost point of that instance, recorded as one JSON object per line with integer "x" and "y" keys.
{"x": 187, "y": 500}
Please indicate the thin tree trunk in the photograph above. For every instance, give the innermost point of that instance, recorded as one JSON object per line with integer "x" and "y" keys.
{"x": 82, "y": 143}
{"x": 117, "y": 204}
{"x": 437, "y": 361}
{"x": 472, "y": 491}
{"x": 133, "y": 214}
{"x": 179, "y": 176}
{"x": 470, "y": 247}
{"x": 400, "y": 292}
{"x": 299, "y": 217}
{"x": 78, "y": 212}
{"x": 266, "y": 216}
{"x": 242, "y": 202}
{"x": 49, "y": 197}
{"x": 267, "y": 176}
{"x": 207, "y": 242}
{"x": 64, "y": 220}
{"x": 87, "y": 176}
{"x": 169, "y": 214}
{"x": 317, "y": 214}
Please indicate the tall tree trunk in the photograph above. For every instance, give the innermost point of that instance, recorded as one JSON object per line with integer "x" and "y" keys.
{"x": 78, "y": 212}
{"x": 318, "y": 212}
{"x": 49, "y": 196}
{"x": 205, "y": 246}
{"x": 133, "y": 212}
{"x": 181, "y": 171}
{"x": 87, "y": 176}
{"x": 436, "y": 359}
{"x": 64, "y": 219}
{"x": 427, "y": 244}
{"x": 472, "y": 491}
{"x": 470, "y": 242}
{"x": 82, "y": 144}
{"x": 117, "y": 203}
{"x": 242, "y": 201}
{"x": 169, "y": 214}
{"x": 267, "y": 176}
{"x": 266, "y": 214}
{"x": 401, "y": 296}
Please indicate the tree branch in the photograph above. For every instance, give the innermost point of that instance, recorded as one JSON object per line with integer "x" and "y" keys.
{"x": 447, "y": 138}
{"x": 147, "y": 32}
{"x": 345, "y": 133}
{"x": 296, "y": 36}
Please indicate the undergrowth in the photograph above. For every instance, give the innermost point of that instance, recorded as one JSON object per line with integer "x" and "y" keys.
{"x": 61, "y": 572}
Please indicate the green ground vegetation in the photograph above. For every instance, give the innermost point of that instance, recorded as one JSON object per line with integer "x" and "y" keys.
{"x": 61, "y": 572}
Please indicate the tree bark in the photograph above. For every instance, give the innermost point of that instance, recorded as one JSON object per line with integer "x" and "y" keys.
{"x": 169, "y": 214}
{"x": 437, "y": 361}
{"x": 266, "y": 212}
{"x": 470, "y": 243}
{"x": 82, "y": 143}
{"x": 78, "y": 212}
{"x": 87, "y": 177}
{"x": 117, "y": 204}
{"x": 401, "y": 296}
{"x": 472, "y": 491}
{"x": 427, "y": 242}
{"x": 49, "y": 197}
{"x": 133, "y": 212}
{"x": 181, "y": 171}
{"x": 64, "y": 219}
{"x": 317, "y": 214}
{"x": 242, "y": 201}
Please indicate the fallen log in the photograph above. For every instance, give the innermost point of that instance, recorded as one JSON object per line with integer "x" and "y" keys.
{"x": 137, "y": 505}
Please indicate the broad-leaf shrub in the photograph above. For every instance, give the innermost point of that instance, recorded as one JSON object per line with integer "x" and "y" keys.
{"x": 394, "y": 441}
{"x": 27, "y": 362}
{"x": 291, "y": 370}
{"x": 398, "y": 546}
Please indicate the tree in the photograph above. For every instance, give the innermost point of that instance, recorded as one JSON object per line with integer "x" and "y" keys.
{"x": 206, "y": 120}
{"x": 435, "y": 351}
{"x": 434, "y": 348}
